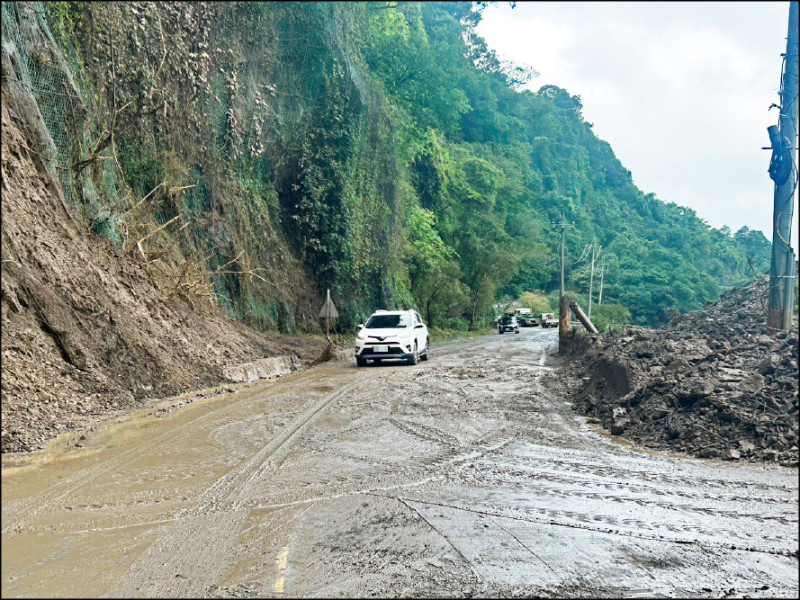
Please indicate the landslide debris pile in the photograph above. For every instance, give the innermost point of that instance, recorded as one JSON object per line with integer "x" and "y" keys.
{"x": 711, "y": 383}
{"x": 86, "y": 330}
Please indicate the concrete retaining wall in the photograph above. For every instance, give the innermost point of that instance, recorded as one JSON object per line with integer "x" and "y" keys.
{"x": 263, "y": 368}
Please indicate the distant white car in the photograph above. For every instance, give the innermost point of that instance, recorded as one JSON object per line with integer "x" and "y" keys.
{"x": 508, "y": 322}
{"x": 549, "y": 320}
{"x": 392, "y": 334}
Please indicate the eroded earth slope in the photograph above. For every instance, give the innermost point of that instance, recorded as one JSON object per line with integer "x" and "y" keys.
{"x": 86, "y": 331}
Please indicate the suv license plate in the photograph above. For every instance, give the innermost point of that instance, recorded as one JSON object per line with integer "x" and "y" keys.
{"x": 381, "y": 349}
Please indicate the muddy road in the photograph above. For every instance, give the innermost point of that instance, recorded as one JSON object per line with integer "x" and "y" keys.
{"x": 467, "y": 475}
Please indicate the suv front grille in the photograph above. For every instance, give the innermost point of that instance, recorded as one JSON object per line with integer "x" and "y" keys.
{"x": 391, "y": 350}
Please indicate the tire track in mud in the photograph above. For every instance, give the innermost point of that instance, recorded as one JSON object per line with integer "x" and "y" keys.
{"x": 428, "y": 469}
{"x": 186, "y": 559}
{"x": 510, "y": 475}
{"x": 424, "y": 432}
{"x": 18, "y": 514}
{"x": 636, "y": 472}
{"x": 691, "y": 510}
{"x": 453, "y": 452}
{"x": 556, "y": 518}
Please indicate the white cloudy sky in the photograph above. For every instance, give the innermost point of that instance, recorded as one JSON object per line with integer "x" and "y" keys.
{"x": 680, "y": 90}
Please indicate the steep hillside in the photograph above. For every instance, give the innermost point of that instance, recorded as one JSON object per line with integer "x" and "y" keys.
{"x": 376, "y": 149}
{"x": 85, "y": 328}
{"x": 247, "y": 127}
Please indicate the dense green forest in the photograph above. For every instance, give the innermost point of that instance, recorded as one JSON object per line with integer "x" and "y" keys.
{"x": 378, "y": 149}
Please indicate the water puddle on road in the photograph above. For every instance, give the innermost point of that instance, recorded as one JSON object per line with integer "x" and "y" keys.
{"x": 632, "y": 446}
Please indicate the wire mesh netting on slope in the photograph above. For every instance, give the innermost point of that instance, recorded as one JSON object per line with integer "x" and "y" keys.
{"x": 42, "y": 76}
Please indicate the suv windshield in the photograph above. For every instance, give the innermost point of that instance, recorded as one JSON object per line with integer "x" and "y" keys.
{"x": 388, "y": 321}
{"x": 505, "y": 319}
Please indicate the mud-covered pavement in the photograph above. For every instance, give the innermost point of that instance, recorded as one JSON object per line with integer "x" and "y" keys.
{"x": 468, "y": 475}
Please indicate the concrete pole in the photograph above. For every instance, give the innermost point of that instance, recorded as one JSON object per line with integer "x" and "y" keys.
{"x": 782, "y": 270}
{"x": 576, "y": 308}
{"x": 563, "y": 225}
{"x": 602, "y": 272}
{"x": 563, "y": 234}
{"x": 591, "y": 276}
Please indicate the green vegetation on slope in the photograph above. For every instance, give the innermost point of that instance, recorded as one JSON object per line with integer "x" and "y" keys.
{"x": 377, "y": 149}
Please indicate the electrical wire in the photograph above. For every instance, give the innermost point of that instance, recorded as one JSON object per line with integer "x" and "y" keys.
{"x": 585, "y": 253}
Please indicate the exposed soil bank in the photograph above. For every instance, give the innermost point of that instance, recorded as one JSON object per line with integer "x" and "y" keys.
{"x": 86, "y": 329}
{"x": 711, "y": 383}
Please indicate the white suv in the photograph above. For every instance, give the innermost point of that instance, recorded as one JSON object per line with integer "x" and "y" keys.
{"x": 392, "y": 334}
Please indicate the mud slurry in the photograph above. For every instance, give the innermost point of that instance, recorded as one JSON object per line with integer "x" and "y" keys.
{"x": 468, "y": 475}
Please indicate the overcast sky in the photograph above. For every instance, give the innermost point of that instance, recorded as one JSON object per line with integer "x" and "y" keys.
{"x": 681, "y": 91}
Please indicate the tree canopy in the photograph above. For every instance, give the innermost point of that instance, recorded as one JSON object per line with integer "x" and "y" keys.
{"x": 399, "y": 161}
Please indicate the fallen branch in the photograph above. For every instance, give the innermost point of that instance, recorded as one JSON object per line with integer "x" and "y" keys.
{"x": 722, "y": 439}
{"x": 135, "y": 206}
{"x": 101, "y": 144}
{"x": 149, "y": 235}
{"x": 224, "y": 271}
{"x": 174, "y": 190}
{"x": 163, "y": 58}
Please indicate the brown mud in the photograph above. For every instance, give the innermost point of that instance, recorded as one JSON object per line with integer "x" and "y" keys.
{"x": 469, "y": 475}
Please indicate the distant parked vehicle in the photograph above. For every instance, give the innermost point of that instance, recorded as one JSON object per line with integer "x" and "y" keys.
{"x": 527, "y": 320}
{"x": 549, "y": 320}
{"x": 508, "y": 322}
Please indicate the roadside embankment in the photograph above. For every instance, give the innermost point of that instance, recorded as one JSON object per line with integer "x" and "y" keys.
{"x": 711, "y": 383}
{"x": 87, "y": 332}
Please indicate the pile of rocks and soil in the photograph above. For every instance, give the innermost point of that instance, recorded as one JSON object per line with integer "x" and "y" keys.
{"x": 711, "y": 383}
{"x": 87, "y": 332}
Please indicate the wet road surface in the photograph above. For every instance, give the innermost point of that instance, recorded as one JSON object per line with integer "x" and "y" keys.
{"x": 468, "y": 475}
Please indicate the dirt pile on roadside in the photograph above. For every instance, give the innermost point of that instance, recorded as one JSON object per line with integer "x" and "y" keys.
{"x": 86, "y": 331}
{"x": 711, "y": 383}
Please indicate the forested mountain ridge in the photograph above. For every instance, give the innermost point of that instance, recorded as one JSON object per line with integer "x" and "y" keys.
{"x": 376, "y": 149}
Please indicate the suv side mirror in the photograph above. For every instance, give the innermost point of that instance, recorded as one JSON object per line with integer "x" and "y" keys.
{"x": 360, "y": 326}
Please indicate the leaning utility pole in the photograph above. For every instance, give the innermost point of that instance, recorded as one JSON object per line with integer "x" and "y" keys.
{"x": 783, "y": 171}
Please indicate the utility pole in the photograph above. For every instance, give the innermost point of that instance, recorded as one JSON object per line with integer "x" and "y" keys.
{"x": 595, "y": 256}
{"x": 563, "y": 226}
{"x": 563, "y": 305}
{"x": 783, "y": 171}
{"x": 602, "y": 272}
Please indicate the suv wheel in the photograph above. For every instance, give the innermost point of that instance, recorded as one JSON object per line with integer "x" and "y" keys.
{"x": 361, "y": 362}
{"x": 412, "y": 360}
{"x": 426, "y": 355}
